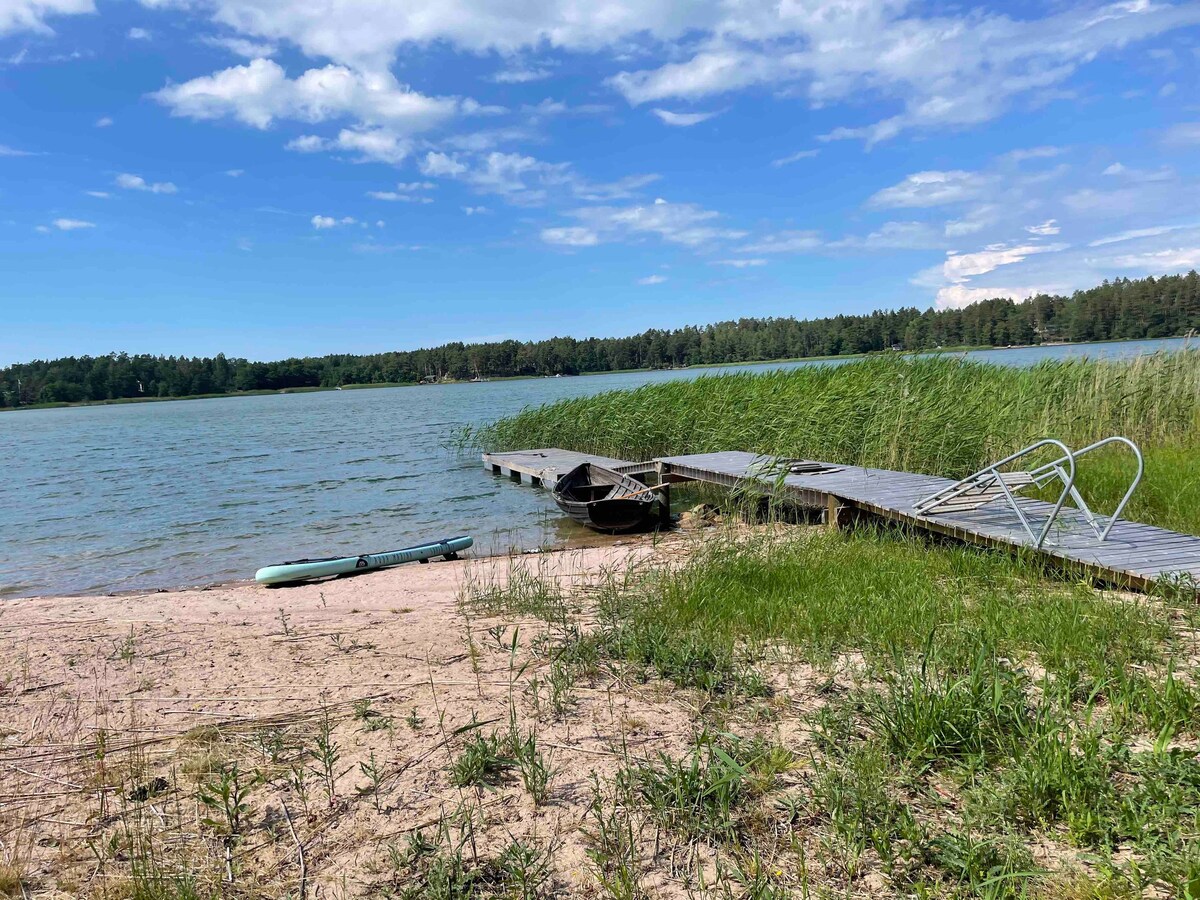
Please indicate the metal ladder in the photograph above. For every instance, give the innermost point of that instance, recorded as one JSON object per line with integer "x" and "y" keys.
{"x": 990, "y": 484}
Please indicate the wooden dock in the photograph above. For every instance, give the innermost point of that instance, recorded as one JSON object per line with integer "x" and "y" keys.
{"x": 544, "y": 466}
{"x": 1134, "y": 555}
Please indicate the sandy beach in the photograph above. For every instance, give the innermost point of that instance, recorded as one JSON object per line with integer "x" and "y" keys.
{"x": 114, "y": 711}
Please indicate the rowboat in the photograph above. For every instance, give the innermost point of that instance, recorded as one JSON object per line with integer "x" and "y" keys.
{"x": 304, "y": 569}
{"x": 604, "y": 500}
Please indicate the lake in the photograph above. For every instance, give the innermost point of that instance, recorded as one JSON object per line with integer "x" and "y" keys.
{"x": 161, "y": 495}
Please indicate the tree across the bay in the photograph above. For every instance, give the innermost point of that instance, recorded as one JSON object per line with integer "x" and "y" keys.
{"x": 1121, "y": 309}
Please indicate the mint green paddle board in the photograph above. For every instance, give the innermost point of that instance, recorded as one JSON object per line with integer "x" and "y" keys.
{"x": 302, "y": 569}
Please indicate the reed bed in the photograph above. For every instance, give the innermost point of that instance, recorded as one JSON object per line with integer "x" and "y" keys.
{"x": 940, "y": 415}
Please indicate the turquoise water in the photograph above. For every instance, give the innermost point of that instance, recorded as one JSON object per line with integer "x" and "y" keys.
{"x": 142, "y": 496}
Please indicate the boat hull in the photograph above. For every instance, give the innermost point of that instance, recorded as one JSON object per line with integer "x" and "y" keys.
{"x": 304, "y": 569}
{"x": 598, "y": 498}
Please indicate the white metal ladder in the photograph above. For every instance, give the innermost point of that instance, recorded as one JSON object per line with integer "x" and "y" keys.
{"x": 990, "y": 484}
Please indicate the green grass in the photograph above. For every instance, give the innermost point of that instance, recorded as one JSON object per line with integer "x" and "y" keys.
{"x": 941, "y": 415}
{"x": 878, "y": 592}
{"x": 997, "y": 708}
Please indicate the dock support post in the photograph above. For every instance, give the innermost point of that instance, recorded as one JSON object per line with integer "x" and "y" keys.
{"x": 837, "y": 515}
{"x": 664, "y": 496}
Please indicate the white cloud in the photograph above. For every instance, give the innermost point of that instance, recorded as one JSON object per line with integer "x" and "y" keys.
{"x": 1027, "y": 153}
{"x": 520, "y": 179}
{"x": 893, "y": 236}
{"x": 621, "y": 189}
{"x": 1140, "y": 176}
{"x": 946, "y": 69}
{"x": 1049, "y": 227}
{"x": 324, "y": 222}
{"x": 956, "y": 296}
{"x": 959, "y": 266}
{"x": 786, "y": 242}
{"x": 398, "y": 197}
{"x": 72, "y": 224}
{"x": 1183, "y": 134}
{"x": 707, "y": 73}
{"x": 1170, "y": 260}
{"x": 139, "y": 34}
{"x": 102, "y": 195}
{"x": 12, "y": 151}
{"x": 652, "y": 279}
{"x": 368, "y": 33}
{"x": 1119, "y": 202}
{"x": 440, "y": 165}
{"x": 740, "y": 263}
{"x": 795, "y": 157}
{"x": 372, "y": 247}
{"x": 104, "y": 122}
{"x": 953, "y": 278}
{"x": 1138, "y": 233}
{"x": 888, "y": 236}
{"x": 677, "y": 223}
{"x": 930, "y": 188}
{"x": 405, "y": 192}
{"x": 976, "y": 219}
{"x": 570, "y": 236}
{"x": 370, "y": 145}
{"x": 375, "y": 144}
{"x": 942, "y": 66}
{"x": 306, "y": 143}
{"x": 138, "y": 183}
{"x": 241, "y": 46}
{"x": 683, "y": 120}
{"x": 31, "y": 15}
{"x": 235, "y": 173}
{"x": 476, "y": 210}
{"x": 520, "y": 75}
{"x": 260, "y": 92}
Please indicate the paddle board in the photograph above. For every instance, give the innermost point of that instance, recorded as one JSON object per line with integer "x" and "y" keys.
{"x": 301, "y": 569}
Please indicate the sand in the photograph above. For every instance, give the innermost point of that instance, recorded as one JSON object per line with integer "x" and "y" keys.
{"x": 115, "y": 710}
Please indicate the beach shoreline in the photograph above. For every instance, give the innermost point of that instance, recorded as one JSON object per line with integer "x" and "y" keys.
{"x": 106, "y": 695}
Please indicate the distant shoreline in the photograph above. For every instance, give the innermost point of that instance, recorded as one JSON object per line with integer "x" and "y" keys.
{"x": 723, "y": 365}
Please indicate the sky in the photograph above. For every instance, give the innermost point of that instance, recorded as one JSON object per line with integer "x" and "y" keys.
{"x": 267, "y": 178}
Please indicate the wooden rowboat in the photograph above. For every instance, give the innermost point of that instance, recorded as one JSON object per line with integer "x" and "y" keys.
{"x": 603, "y": 499}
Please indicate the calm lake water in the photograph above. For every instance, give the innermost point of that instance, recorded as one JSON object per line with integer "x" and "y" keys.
{"x": 143, "y": 496}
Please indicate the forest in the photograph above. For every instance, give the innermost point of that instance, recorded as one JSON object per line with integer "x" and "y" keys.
{"x": 1120, "y": 309}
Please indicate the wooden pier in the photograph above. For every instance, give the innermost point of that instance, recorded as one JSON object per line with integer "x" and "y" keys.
{"x": 1134, "y": 555}
{"x": 544, "y": 467}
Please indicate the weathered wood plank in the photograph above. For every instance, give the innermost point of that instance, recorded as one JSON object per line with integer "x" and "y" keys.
{"x": 1134, "y": 553}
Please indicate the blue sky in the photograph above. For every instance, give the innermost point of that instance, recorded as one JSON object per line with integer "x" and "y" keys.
{"x": 268, "y": 178}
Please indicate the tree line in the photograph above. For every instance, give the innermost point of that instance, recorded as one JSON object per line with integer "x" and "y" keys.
{"x": 1120, "y": 309}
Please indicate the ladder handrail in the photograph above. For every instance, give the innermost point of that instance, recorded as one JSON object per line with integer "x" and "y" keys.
{"x": 1041, "y": 475}
{"x": 1137, "y": 478}
{"x": 1068, "y": 457}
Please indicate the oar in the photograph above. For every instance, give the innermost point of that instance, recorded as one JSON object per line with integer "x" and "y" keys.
{"x": 653, "y": 487}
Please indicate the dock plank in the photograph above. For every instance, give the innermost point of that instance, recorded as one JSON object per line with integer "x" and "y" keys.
{"x": 1134, "y": 554}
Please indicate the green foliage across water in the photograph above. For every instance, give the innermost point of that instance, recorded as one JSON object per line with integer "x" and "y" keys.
{"x": 939, "y": 415}
{"x": 1120, "y": 310}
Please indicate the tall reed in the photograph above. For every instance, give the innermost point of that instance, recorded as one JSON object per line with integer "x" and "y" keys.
{"x": 940, "y": 415}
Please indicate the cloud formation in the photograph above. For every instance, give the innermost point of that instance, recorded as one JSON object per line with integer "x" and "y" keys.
{"x": 683, "y": 120}
{"x": 261, "y": 92}
{"x": 31, "y": 15}
{"x": 138, "y": 183}
{"x": 931, "y": 188}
